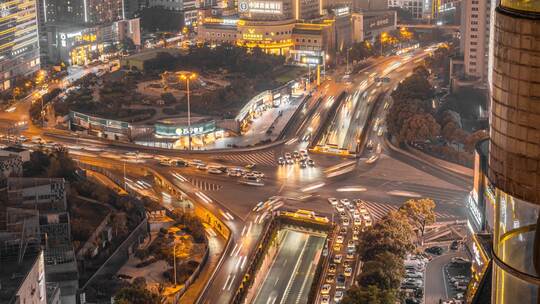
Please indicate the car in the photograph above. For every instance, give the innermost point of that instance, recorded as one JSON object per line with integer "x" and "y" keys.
{"x": 296, "y": 154}
{"x": 311, "y": 162}
{"x": 302, "y": 164}
{"x": 362, "y": 209}
{"x": 333, "y": 201}
{"x": 342, "y": 231}
{"x": 339, "y": 239}
{"x": 343, "y": 214}
{"x": 290, "y": 161}
{"x": 337, "y": 247}
{"x": 366, "y": 216}
{"x": 355, "y": 237}
{"x": 454, "y": 245}
{"x": 357, "y": 221}
{"x": 332, "y": 268}
{"x": 325, "y": 289}
{"x": 368, "y": 223}
{"x": 345, "y": 221}
{"x": 350, "y": 244}
{"x": 325, "y": 299}
{"x": 288, "y": 155}
{"x": 345, "y": 201}
{"x": 340, "y": 208}
{"x": 234, "y": 173}
{"x": 250, "y": 166}
{"x": 338, "y": 258}
{"x": 413, "y": 274}
{"x": 459, "y": 260}
{"x": 350, "y": 256}
{"x": 258, "y": 174}
{"x": 348, "y": 271}
{"x": 338, "y": 296}
{"x": 330, "y": 278}
{"x": 281, "y": 161}
{"x": 165, "y": 163}
{"x": 436, "y": 250}
{"x": 214, "y": 170}
{"x": 340, "y": 281}
{"x": 351, "y": 208}
{"x": 369, "y": 145}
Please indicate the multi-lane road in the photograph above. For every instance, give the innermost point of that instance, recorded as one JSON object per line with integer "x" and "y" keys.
{"x": 383, "y": 183}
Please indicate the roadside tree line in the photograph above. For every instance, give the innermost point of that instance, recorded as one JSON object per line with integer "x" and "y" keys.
{"x": 413, "y": 119}
{"x": 383, "y": 248}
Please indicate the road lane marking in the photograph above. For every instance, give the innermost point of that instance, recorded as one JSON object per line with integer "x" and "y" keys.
{"x": 226, "y": 282}
{"x": 232, "y": 281}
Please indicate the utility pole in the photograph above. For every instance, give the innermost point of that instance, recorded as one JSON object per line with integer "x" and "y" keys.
{"x": 188, "y": 119}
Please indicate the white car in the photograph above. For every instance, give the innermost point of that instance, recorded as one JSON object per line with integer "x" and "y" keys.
{"x": 339, "y": 239}
{"x": 338, "y": 296}
{"x": 214, "y": 171}
{"x": 333, "y": 201}
{"x": 345, "y": 201}
{"x": 326, "y": 289}
{"x": 325, "y": 299}
{"x": 345, "y": 221}
{"x": 368, "y": 222}
{"x": 338, "y": 258}
{"x": 357, "y": 221}
{"x": 340, "y": 208}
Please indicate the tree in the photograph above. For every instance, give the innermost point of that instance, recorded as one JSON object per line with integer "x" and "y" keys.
{"x": 393, "y": 233}
{"x": 136, "y": 295}
{"x": 369, "y": 295}
{"x": 385, "y": 271}
{"x": 419, "y": 128}
{"x": 421, "y": 213}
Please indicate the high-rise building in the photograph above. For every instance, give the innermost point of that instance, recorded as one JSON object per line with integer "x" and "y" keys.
{"x": 514, "y": 152}
{"x": 475, "y": 37}
{"x": 19, "y": 47}
{"x": 419, "y": 9}
{"x": 81, "y": 11}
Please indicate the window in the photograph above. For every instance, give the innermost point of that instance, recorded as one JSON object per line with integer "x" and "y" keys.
{"x": 474, "y": 43}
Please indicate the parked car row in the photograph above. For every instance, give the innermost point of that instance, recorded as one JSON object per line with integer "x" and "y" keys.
{"x": 413, "y": 283}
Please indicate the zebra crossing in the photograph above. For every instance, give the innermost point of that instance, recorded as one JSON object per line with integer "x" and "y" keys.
{"x": 267, "y": 157}
{"x": 379, "y": 210}
{"x": 204, "y": 185}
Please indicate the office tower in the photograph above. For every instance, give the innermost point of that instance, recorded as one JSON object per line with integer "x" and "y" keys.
{"x": 19, "y": 48}
{"x": 514, "y": 152}
{"x": 475, "y": 36}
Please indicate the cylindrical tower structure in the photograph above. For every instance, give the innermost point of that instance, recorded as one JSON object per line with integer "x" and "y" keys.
{"x": 514, "y": 162}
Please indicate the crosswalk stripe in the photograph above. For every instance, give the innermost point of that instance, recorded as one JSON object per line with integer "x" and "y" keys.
{"x": 204, "y": 185}
{"x": 263, "y": 158}
{"x": 379, "y": 210}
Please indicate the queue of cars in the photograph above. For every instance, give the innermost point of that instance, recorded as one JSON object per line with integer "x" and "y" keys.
{"x": 296, "y": 157}
{"x": 353, "y": 218}
{"x": 246, "y": 174}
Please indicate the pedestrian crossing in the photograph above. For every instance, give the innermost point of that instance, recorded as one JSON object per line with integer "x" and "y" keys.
{"x": 379, "y": 210}
{"x": 267, "y": 158}
{"x": 204, "y": 185}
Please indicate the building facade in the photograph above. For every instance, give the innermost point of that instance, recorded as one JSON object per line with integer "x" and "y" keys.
{"x": 475, "y": 35}
{"x": 19, "y": 45}
{"x": 419, "y": 9}
{"x": 514, "y": 157}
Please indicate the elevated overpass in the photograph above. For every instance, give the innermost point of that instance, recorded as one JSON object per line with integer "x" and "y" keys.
{"x": 444, "y": 27}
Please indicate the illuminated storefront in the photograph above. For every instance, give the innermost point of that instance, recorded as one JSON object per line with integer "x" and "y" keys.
{"x": 176, "y": 132}
{"x": 306, "y": 41}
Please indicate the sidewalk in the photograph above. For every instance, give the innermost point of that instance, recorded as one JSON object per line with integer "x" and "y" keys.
{"x": 259, "y": 127}
{"x": 216, "y": 246}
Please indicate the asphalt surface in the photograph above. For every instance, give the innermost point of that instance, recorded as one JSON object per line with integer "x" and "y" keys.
{"x": 290, "y": 276}
{"x": 384, "y": 184}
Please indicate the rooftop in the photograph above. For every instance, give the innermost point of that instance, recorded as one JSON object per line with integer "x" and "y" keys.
{"x": 14, "y": 149}
{"x": 12, "y": 274}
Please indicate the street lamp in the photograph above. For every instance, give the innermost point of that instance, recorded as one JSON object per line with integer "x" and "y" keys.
{"x": 187, "y": 76}
{"x": 384, "y": 36}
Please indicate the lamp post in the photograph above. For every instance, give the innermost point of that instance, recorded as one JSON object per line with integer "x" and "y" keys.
{"x": 187, "y": 76}
{"x": 383, "y": 36}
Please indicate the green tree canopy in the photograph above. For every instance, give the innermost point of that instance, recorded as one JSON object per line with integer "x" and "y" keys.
{"x": 393, "y": 233}
{"x": 369, "y": 295}
{"x": 136, "y": 295}
{"x": 421, "y": 212}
